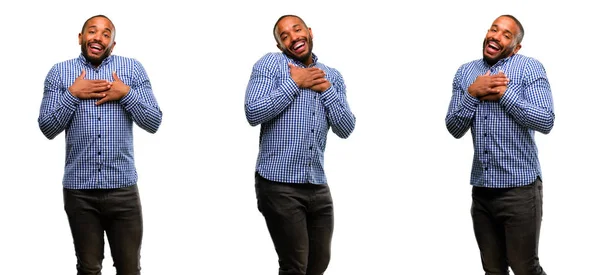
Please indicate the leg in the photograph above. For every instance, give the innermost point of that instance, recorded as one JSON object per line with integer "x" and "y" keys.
{"x": 524, "y": 218}
{"x": 489, "y": 233}
{"x": 83, "y": 213}
{"x": 284, "y": 208}
{"x": 124, "y": 228}
{"x": 320, "y": 228}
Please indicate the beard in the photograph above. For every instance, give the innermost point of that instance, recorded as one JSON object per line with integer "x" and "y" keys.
{"x": 506, "y": 52}
{"x": 94, "y": 60}
{"x": 302, "y": 58}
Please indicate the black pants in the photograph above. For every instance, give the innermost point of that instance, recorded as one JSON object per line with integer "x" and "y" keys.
{"x": 300, "y": 220}
{"x": 117, "y": 212}
{"x": 507, "y": 227}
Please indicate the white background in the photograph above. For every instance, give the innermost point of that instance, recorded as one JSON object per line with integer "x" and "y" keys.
{"x": 400, "y": 183}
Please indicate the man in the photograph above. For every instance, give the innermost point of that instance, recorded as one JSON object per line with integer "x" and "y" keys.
{"x": 504, "y": 98}
{"x": 296, "y": 100}
{"x": 95, "y": 98}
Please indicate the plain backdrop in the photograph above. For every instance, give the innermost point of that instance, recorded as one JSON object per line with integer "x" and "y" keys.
{"x": 400, "y": 183}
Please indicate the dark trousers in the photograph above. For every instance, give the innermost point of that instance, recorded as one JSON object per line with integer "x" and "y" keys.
{"x": 300, "y": 220}
{"x": 117, "y": 212}
{"x": 507, "y": 228}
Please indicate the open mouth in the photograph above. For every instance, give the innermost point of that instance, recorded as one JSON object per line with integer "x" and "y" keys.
{"x": 95, "y": 48}
{"x": 493, "y": 47}
{"x": 299, "y": 46}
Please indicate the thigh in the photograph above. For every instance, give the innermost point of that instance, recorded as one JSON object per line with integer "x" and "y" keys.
{"x": 124, "y": 229}
{"x": 320, "y": 229}
{"x": 83, "y": 211}
{"x": 489, "y": 233}
{"x": 284, "y": 209}
{"x": 522, "y": 226}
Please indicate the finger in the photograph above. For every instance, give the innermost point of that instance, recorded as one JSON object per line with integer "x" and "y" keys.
{"x": 102, "y": 100}
{"x": 115, "y": 77}
{"x": 488, "y": 72}
{"x": 82, "y": 75}
{"x": 290, "y": 65}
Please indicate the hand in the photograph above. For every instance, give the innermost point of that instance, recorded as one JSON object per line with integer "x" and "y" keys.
{"x": 488, "y": 84}
{"x": 321, "y": 87}
{"x": 307, "y": 77}
{"x": 88, "y": 89}
{"x": 117, "y": 91}
{"x": 494, "y": 96}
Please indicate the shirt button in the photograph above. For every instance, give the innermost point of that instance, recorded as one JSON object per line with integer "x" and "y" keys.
{"x": 485, "y": 117}
{"x": 313, "y": 113}
{"x": 485, "y": 169}
{"x": 99, "y": 136}
{"x": 312, "y": 130}
{"x": 99, "y": 153}
{"x": 485, "y": 152}
{"x": 99, "y": 169}
{"x": 99, "y": 118}
{"x": 485, "y": 135}
{"x": 310, "y": 148}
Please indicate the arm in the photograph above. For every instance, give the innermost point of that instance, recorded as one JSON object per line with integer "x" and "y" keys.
{"x": 140, "y": 102}
{"x": 461, "y": 110}
{"x": 534, "y": 107}
{"x": 265, "y": 99}
{"x": 339, "y": 115}
{"x": 58, "y": 106}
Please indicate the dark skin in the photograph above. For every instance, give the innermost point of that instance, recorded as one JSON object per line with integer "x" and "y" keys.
{"x": 291, "y": 30}
{"x": 98, "y": 30}
{"x": 489, "y": 87}
{"x": 502, "y": 34}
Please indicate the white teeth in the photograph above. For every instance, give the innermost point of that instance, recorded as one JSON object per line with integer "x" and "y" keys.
{"x": 298, "y": 45}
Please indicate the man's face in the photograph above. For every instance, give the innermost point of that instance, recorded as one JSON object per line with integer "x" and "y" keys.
{"x": 96, "y": 40}
{"x": 500, "y": 40}
{"x": 294, "y": 39}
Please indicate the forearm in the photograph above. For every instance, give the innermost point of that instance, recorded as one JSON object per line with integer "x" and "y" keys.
{"x": 56, "y": 112}
{"x": 143, "y": 108}
{"x": 339, "y": 115}
{"x": 264, "y": 102}
{"x": 536, "y": 117}
{"x": 460, "y": 114}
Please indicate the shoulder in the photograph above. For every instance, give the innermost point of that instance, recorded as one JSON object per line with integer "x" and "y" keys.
{"x": 271, "y": 59}
{"x": 127, "y": 61}
{"x": 528, "y": 64}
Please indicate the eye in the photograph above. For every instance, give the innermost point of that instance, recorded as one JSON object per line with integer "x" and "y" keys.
{"x": 91, "y": 32}
{"x": 507, "y": 37}
{"x": 106, "y": 35}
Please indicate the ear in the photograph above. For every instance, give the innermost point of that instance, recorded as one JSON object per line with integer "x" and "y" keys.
{"x": 113, "y": 46}
{"x": 79, "y": 38}
{"x": 517, "y": 48}
{"x": 279, "y": 47}
{"x": 310, "y": 33}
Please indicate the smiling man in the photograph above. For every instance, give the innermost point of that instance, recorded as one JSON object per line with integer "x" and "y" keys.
{"x": 504, "y": 98}
{"x": 95, "y": 99}
{"x": 296, "y": 100}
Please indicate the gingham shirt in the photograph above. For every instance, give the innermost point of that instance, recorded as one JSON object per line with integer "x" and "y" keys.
{"x": 99, "y": 139}
{"x": 505, "y": 154}
{"x": 294, "y": 122}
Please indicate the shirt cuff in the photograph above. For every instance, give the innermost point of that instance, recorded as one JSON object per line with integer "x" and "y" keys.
{"x": 289, "y": 88}
{"x": 509, "y": 99}
{"x": 70, "y": 101}
{"x": 129, "y": 99}
{"x": 329, "y": 96}
{"x": 470, "y": 102}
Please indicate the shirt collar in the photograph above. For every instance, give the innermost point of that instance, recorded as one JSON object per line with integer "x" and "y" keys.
{"x": 298, "y": 63}
{"x": 83, "y": 60}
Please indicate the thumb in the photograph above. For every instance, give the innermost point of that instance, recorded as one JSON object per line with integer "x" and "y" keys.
{"x": 115, "y": 77}
{"x": 291, "y": 65}
{"x": 82, "y": 75}
{"x": 488, "y": 72}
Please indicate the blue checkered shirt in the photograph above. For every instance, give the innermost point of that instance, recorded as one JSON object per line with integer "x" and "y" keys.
{"x": 294, "y": 122}
{"x": 505, "y": 154}
{"x": 99, "y": 139}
